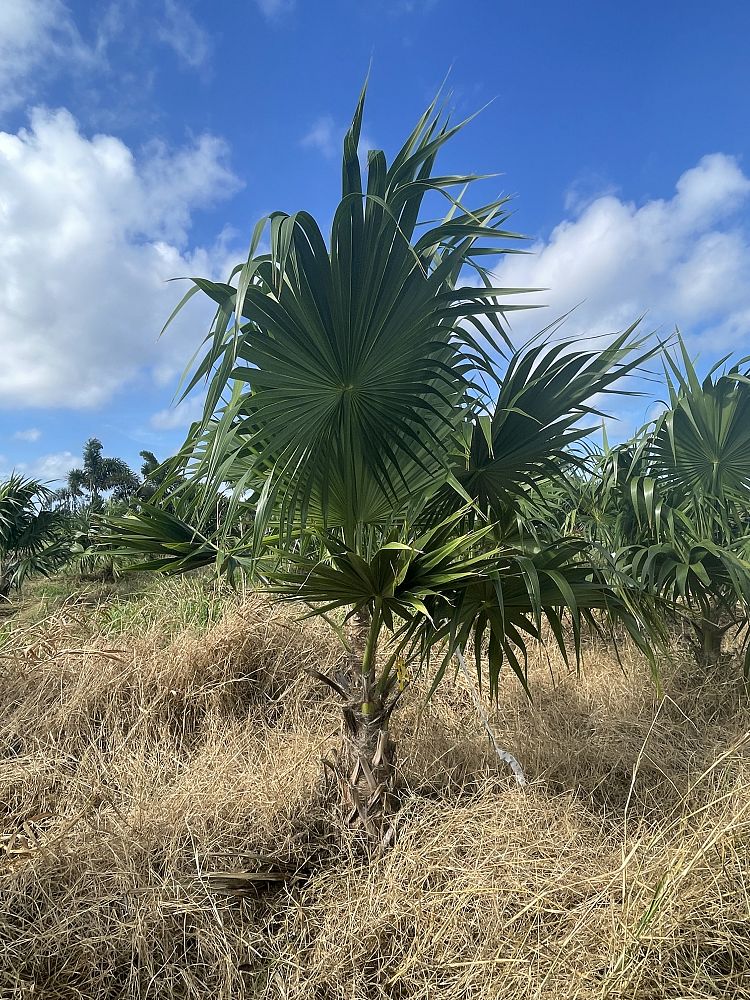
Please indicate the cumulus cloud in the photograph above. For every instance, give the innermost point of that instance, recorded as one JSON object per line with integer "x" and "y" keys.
{"x": 34, "y": 35}
{"x": 89, "y": 233}
{"x": 684, "y": 261}
{"x": 52, "y": 469}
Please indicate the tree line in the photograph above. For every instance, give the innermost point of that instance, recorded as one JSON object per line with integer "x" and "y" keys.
{"x": 42, "y": 530}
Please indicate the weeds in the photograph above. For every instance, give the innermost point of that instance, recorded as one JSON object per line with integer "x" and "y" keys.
{"x": 166, "y": 829}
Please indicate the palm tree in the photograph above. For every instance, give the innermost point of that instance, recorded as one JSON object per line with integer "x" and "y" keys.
{"x": 383, "y": 444}
{"x": 150, "y": 463}
{"x": 99, "y": 475}
{"x": 673, "y": 502}
{"x": 89, "y": 489}
{"x": 31, "y": 537}
{"x": 154, "y": 474}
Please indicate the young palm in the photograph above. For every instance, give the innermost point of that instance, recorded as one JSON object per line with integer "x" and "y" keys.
{"x": 377, "y": 451}
{"x": 673, "y": 503}
{"x": 30, "y": 537}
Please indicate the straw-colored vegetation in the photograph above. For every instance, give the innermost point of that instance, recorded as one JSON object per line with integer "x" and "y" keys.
{"x": 155, "y": 744}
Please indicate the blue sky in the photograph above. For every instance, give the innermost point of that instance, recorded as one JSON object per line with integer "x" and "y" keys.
{"x": 141, "y": 139}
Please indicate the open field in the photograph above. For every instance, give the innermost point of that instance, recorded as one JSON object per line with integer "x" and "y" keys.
{"x": 151, "y": 741}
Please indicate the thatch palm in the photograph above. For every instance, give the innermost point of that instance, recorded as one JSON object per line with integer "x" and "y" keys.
{"x": 674, "y": 503}
{"x": 350, "y": 408}
{"x": 30, "y": 536}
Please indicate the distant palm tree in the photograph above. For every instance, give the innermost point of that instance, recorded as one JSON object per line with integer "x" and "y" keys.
{"x": 98, "y": 475}
{"x": 150, "y": 463}
{"x": 31, "y": 537}
{"x": 154, "y": 475}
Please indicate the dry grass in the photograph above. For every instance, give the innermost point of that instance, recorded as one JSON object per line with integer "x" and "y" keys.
{"x": 149, "y": 743}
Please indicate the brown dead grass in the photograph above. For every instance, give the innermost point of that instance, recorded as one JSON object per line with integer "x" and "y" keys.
{"x": 136, "y": 767}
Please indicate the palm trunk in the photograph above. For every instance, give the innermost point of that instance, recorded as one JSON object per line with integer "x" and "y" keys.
{"x": 367, "y": 763}
{"x": 368, "y": 767}
{"x": 708, "y": 643}
{"x": 709, "y": 633}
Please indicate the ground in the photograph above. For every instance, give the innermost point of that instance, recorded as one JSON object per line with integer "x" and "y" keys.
{"x": 167, "y": 828}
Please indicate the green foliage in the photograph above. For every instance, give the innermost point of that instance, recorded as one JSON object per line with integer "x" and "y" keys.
{"x": 156, "y": 475}
{"x": 153, "y": 530}
{"x": 373, "y": 441}
{"x": 673, "y": 503}
{"x": 102, "y": 486}
{"x": 31, "y": 537}
{"x": 98, "y": 476}
{"x": 188, "y": 604}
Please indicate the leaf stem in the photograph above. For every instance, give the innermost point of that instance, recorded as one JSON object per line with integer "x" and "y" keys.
{"x": 369, "y": 658}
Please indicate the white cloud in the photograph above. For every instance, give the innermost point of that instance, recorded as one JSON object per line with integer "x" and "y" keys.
{"x": 684, "y": 261}
{"x": 34, "y": 35}
{"x": 182, "y": 33}
{"x": 323, "y": 136}
{"x": 53, "y": 468}
{"x": 31, "y": 435}
{"x": 587, "y": 188}
{"x": 88, "y": 236}
{"x": 274, "y": 9}
{"x": 181, "y": 415}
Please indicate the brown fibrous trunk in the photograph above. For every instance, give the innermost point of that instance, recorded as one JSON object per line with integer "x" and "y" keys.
{"x": 366, "y": 764}
{"x": 367, "y": 768}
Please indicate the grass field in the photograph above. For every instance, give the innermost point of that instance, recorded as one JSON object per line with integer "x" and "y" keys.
{"x": 167, "y": 829}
